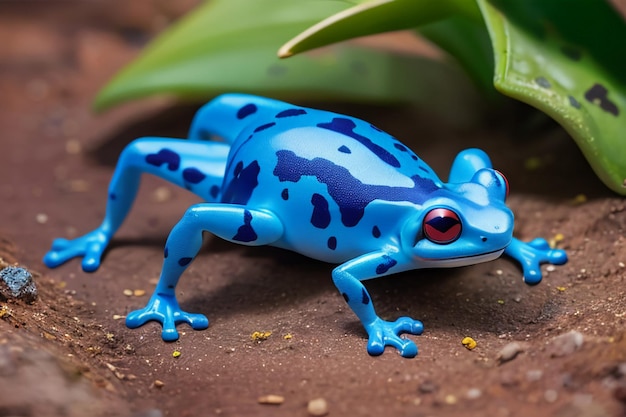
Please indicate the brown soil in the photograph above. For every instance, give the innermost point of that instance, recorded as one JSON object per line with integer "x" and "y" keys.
{"x": 69, "y": 354}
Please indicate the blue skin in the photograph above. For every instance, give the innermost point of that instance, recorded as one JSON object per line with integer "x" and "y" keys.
{"x": 328, "y": 186}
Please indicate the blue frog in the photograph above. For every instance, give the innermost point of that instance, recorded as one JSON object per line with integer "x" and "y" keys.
{"x": 329, "y": 186}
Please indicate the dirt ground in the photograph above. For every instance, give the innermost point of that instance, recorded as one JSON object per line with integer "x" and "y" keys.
{"x": 70, "y": 354}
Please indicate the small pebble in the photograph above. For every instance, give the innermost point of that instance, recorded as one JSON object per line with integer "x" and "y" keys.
{"x": 17, "y": 282}
{"x": 162, "y": 194}
{"x": 473, "y": 393}
{"x": 41, "y": 218}
{"x": 427, "y": 387}
{"x": 158, "y": 383}
{"x": 566, "y": 344}
{"x": 510, "y": 351}
{"x": 139, "y": 293}
{"x": 271, "y": 399}
{"x": 534, "y": 375}
{"x": 73, "y": 147}
{"x": 128, "y": 293}
{"x": 550, "y": 395}
{"x": 450, "y": 399}
{"x": 317, "y": 407}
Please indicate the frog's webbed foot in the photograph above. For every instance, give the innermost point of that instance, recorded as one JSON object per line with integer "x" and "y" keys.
{"x": 532, "y": 254}
{"x": 165, "y": 309}
{"x": 384, "y": 333}
{"x": 91, "y": 246}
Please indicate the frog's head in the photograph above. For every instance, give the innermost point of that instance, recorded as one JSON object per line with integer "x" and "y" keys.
{"x": 463, "y": 225}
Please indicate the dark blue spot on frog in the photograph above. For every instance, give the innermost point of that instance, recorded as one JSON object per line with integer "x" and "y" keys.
{"x": 386, "y": 265}
{"x": 214, "y": 191}
{"x": 112, "y": 196}
{"x": 243, "y": 183}
{"x": 193, "y": 175}
{"x": 321, "y": 215}
{"x": 346, "y": 127}
{"x": 246, "y": 111}
{"x": 246, "y": 233}
{"x": 164, "y": 156}
{"x": 376, "y": 232}
{"x": 263, "y": 127}
{"x": 184, "y": 261}
{"x": 400, "y": 147}
{"x": 350, "y": 194}
{"x": 285, "y": 194}
{"x": 332, "y": 243}
{"x": 344, "y": 149}
{"x": 166, "y": 252}
{"x": 365, "y": 299}
{"x": 290, "y": 113}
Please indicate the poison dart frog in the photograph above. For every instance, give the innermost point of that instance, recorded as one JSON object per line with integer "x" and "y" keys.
{"x": 329, "y": 186}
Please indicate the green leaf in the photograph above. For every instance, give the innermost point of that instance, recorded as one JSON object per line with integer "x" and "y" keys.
{"x": 230, "y": 45}
{"x": 467, "y": 41}
{"x": 456, "y": 26}
{"x": 567, "y": 59}
{"x": 377, "y": 16}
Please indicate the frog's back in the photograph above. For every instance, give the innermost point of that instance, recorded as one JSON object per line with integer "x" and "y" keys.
{"x": 328, "y": 177}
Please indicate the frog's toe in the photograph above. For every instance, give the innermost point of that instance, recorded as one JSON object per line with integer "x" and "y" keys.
{"x": 384, "y": 333}
{"x": 59, "y": 244}
{"x": 165, "y": 310}
{"x": 408, "y": 325}
{"x": 375, "y": 346}
{"x": 539, "y": 243}
{"x": 557, "y": 256}
{"x": 60, "y": 255}
{"x": 532, "y": 275}
{"x": 140, "y": 317}
{"x": 196, "y": 321}
{"x": 169, "y": 332}
{"x": 52, "y": 259}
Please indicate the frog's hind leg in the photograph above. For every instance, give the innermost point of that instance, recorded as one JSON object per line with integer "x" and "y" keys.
{"x": 197, "y": 166}
{"x": 226, "y": 115}
{"x": 235, "y": 223}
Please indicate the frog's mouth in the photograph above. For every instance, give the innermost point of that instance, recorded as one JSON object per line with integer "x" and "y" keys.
{"x": 463, "y": 260}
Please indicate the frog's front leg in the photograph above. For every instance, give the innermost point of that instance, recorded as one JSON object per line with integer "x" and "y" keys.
{"x": 348, "y": 276}
{"x": 532, "y": 254}
{"x": 235, "y": 223}
{"x": 197, "y": 166}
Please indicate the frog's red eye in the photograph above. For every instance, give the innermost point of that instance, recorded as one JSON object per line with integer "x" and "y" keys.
{"x": 442, "y": 226}
{"x": 506, "y": 184}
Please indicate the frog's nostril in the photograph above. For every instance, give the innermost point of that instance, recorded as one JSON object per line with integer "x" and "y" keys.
{"x": 483, "y": 238}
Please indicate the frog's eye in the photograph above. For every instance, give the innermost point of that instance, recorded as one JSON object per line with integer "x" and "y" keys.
{"x": 442, "y": 226}
{"x": 506, "y": 183}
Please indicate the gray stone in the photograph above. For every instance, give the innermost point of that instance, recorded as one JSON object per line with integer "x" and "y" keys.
{"x": 17, "y": 282}
{"x": 566, "y": 344}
